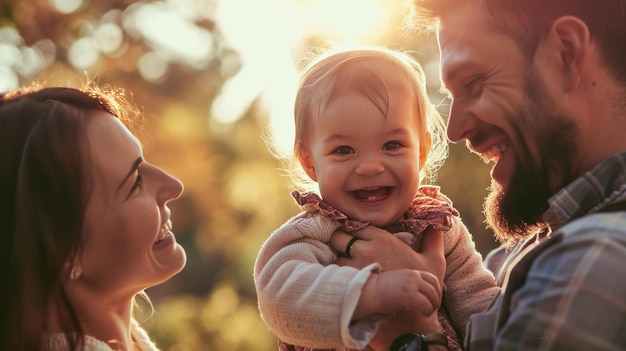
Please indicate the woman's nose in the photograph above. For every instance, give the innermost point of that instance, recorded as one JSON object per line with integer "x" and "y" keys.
{"x": 171, "y": 188}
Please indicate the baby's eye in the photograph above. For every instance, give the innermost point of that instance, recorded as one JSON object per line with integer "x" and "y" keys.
{"x": 392, "y": 145}
{"x": 343, "y": 150}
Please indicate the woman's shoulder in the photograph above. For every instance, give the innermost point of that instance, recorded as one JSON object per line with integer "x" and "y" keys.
{"x": 142, "y": 338}
{"x": 58, "y": 342}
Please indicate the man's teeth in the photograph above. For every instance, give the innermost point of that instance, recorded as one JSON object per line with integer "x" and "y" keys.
{"x": 493, "y": 154}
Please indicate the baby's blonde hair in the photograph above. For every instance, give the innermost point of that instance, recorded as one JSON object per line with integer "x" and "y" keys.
{"x": 371, "y": 71}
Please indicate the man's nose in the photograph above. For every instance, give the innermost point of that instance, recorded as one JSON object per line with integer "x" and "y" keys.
{"x": 460, "y": 123}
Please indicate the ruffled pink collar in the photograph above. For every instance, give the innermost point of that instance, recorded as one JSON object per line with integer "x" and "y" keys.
{"x": 429, "y": 208}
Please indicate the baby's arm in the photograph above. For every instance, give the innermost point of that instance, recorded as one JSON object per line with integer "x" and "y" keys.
{"x": 306, "y": 300}
{"x": 470, "y": 287}
{"x": 302, "y": 296}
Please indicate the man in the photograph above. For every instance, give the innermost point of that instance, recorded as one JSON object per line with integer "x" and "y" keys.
{"x": 539, "y": 88}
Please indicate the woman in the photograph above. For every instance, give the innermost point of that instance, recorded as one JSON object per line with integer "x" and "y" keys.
{"x": 86, "y": 227}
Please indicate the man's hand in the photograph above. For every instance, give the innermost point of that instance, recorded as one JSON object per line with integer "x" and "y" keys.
{"x": 402, "y": 323}
{"x": 378, "y": 245}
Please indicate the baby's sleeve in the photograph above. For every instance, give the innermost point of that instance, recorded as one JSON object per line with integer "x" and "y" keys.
{"x": 470, "y": 287}
{"x": 303, "y": 297}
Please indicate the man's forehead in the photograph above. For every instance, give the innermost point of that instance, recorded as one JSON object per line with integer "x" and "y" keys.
{"x": 461, "y": 32}
{"x": 464, "y": 16}
{"x": 454, "y": 54}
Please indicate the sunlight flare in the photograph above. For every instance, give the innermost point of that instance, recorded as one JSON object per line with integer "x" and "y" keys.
{"x": 270, "y": 35}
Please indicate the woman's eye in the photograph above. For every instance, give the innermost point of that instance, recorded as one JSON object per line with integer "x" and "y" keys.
{"x": 343, "y": 150}
{"x": 137, "y": 184}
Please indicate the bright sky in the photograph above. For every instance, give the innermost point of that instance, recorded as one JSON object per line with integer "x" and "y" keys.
{"x": 269, "y": 34}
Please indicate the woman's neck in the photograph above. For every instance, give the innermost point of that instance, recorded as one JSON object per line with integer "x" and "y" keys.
{"x": 108, "y": 320}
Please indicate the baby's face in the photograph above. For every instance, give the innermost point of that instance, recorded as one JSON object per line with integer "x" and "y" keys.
{"x": 366, "y": 164}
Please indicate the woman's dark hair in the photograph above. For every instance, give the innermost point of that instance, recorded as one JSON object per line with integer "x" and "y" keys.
{"x": 44, "y": 187}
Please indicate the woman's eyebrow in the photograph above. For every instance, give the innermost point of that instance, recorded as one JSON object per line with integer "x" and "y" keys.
{"x": 133, "y": 168}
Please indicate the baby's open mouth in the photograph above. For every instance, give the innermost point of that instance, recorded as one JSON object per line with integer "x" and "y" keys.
{"x": 372, "y": 194}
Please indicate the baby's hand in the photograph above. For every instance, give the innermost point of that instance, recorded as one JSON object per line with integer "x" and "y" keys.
{"x": 392, "y": 292}
{"x": 408, "y": 290}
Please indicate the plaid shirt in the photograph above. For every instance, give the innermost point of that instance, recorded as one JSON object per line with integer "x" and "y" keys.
{"x": 566, "y": 291}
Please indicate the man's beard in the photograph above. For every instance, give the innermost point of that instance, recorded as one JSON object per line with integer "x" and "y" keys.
{"x": 516, "y": 213}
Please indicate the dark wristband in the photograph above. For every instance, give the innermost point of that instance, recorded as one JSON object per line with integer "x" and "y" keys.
{"x": 418, "y": 342}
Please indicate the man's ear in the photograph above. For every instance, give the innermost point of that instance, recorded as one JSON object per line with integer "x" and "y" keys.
{"x": 307, "y": 164}
{"x": 570, "y": 38}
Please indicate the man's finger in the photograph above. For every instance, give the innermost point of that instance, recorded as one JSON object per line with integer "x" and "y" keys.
{"x": 432, "y": 243}
{"x": 340, "y": 240}
{"x": 433, "y": 251}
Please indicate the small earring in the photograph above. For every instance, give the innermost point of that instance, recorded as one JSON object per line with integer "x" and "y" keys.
{"x": 76, "y": 272}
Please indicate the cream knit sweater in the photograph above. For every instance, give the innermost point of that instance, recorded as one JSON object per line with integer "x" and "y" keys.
{"x": 58, "y": 342}
{"x": 307, "y": 300}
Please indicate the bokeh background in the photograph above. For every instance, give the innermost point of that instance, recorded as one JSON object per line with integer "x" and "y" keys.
{"x": 211, "y": 76}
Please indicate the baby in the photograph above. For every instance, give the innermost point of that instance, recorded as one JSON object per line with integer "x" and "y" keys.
{"x": 367, "y": 135}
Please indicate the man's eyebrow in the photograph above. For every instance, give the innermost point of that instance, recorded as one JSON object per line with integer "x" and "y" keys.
{"x": 450, "y": 76}
{"x": 133, "y": 168}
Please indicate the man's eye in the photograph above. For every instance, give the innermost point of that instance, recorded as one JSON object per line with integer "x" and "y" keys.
{"x": 474, "y": 87}
{"x": 343, "y": 150}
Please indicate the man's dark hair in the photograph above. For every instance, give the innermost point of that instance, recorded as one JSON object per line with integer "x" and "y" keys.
{"x": 527, "y": 21}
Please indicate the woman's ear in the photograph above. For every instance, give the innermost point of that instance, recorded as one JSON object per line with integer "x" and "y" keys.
{"x": 307, "y": 164}
{"x": 426, "y": 143}
{"x": 74, "y": 268}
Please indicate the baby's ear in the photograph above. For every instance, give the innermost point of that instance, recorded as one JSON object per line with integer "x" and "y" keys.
{"x": 307, "y": 164}
{"x": 425, "y": 144}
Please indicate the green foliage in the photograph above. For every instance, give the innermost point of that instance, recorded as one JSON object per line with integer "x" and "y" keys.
{"x": 221, "y": 320}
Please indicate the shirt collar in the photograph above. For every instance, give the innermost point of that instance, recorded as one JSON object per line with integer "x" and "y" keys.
{"x": 597, "y": 188}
